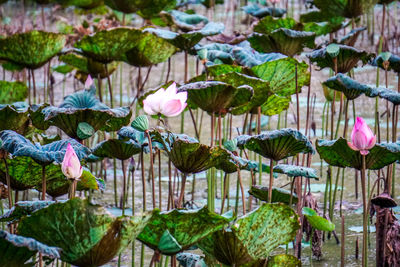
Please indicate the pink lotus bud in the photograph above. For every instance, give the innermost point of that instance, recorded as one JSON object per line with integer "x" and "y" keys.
{"x": 166, "y": 102}
{"x": 71, "y": 166}
{"x": 362, "y": 138}
{"x": 274, "y": 1}
{"x": 89, "y": 82}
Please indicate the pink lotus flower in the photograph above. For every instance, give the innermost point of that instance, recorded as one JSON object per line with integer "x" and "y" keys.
{"x": 362, "y": 138}
{"x": 71, "y": 166}
{"x": 274, "y": 1}
{"x": 89, "y": 82}
{"x": 166, "y": 102}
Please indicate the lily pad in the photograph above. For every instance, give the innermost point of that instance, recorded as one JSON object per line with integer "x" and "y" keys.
{"x": 347, "y": 59}
{"x": 31, "y": 49}
{"x": 277, "y": 144}
{"x": 115, "y": 148}
{"x": 174, "y": 231}
{"x": 338, "y": 153}
{"x": 317, "y": 222}
{"x": 12, "y": 92}
{"x": 278, "y": 194}
{"x": 295, "y": 171}
{"x": 96, "y": 235}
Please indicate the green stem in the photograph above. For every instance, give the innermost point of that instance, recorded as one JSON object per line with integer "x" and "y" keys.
{"x": 365, "y": 214}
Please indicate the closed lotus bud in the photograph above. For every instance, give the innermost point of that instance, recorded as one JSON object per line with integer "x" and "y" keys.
{"x": 71, "y": 166}
{"x": 89, "y": 82}
{"x": 362, "y": 138}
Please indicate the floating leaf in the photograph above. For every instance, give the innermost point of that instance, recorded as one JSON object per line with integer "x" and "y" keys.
{"x": 96, "y": 235}
{"x": 338, "y": 153}
{"x": 278, "y": 194}
{"x": 295, "y": 171}
{"x": 185, "y": 227}
{"x": 12, "y": 92}
{"x": 317, "y": 222}
{"x": 277, "y": 144}
{"x": 31, "y": 49}
{"x": 115, "y": 148}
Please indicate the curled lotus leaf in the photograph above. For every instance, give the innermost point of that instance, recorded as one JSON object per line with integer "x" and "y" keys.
{"x": 184, "y": 21}
{"x": 97, "y": 236}
{"x": 108, "y": 45}
{"x": 23, "y": 208}
{"x": 350, "y": 88}
{"x": 261, "y": 11}
{"x": 394, "y": 63}
{"x": 216, "y": 97}
{"x": 338, "y": 153}
{"x": 270, "y": 24}
{"x": 347, "y": 59}
{"x": 277, "y": 144}
{"x": 350, "y": 39}
{"x": 115, "y": 148}
{"x": 140, "y": 139}
{"x": 249, "y": 58}
{"x": 11, "y": 92}
{"x": 253, "y": 236}
{"x": 317, "y": 222}
{"x": 18, "y": 145}
{"x": 14, "y": 116}
{"x": 174, "y": 231}
{"x": 295, "y": 171}
{"x": 285, "y": 41}
{"x": 283, "y": 260}
{"x": 82, "y": 106}
{"x": 278, "y": 194}
{"x": 31, "y": 49}
{"x": 385, "y": 93}
{"x": 16, "y": 250}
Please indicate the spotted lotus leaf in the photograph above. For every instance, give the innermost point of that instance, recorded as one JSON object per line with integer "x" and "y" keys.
{"x": 317, "y": 222}
{"x": 97, "y": 236}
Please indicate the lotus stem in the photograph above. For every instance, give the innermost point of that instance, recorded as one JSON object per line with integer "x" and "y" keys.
{"x": 72, "y": 189}
{"x": 224, "y": 192}
{"x": 159, "y": 180}
{"x": 271, "y": 180}
{"x": 242, "y": 191}
{"x": 186, "y": 67}
{"x": 10, "y": 203}
{"x": 43, "y": 182}
{"x": 34, "y": 86}
{"x": 340, "y": 115}
{"x": 168, "y": 70}
{"x": 311, "y": 252}
{"x": 182, "y": 193}
{"x": 151, "y": 169}
{"x": 109, "y": 86}
{"x": 170, "y": 193}
{"x": 121, "y": 68}
{"x": 143, "y": 179}
{"x": 308, "y": 102}
{"x": 332, "y": 203}
{"x": 365, "y": 214}
{"x": 342, "y": 248}
{"x": 323, "y": 119}
{"x": 346, "y": 117}
{"x": 123, "y": 186}
{"x": 297, "y": 99}
{"x": 212, "y": 128}
{"x": 219, "y": 131}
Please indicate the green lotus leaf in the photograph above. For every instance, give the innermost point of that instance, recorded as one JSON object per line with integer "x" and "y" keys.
{"x": 149, "y": 50}
{"x": 115, "y": 148}
{"x": 214, "y": 51}
{"x": 23, "y": 208}
{"x": 14, "y": 116}
{"x": 184, "y": 21}
{"x": 317, "y": 222}
{"x": 140, "y": 139}
{"x": 347, "y": 59}
{"x": 96, "y": 235}
{"x": 278, "y": 194}
{"x": 394, "y": 63}
{"x": 87, "y": 65}
{"x": 268, "y": 24}
{"x": 125, "y": 6}
{"x": 12, "y": 92}
{"x": 145, "y": 8}
{"x": 322, "y": 28}
{"x": 350, "y": 39}
{"x": 277, "y": 144}
{"x": 190, "y": 260}
{"x": 248, "y": 57}
{"x": 140, "y": 123}
{"x": 389, "y": 95}
{"x": 274, "y": 105}
{"x": 251, "y": 165}
{"x": 108, "y": 45}
{"x": 345, "y": 8}
{"x": 15, "y": 250}
{"x": 216, "y": 97}
{"x": 338, "y": 153}
{"x": 283, "y": 260}
{"x": 295, "y": 171}
{"x": 185, "y": 41}
{"x": 82, "y": 106}
{"x": 253, "y": 236}
{"x": 184, "y": 227}
{"x": 261, "y": 12}
{"x": 350, "y": 88}
{"x": 84, "y": 4}
{"x": 63, "y": 69}
{"x": 31, "y": 49}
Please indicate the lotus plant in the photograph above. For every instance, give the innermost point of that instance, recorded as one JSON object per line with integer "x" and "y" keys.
{"x": 72, "y": 169}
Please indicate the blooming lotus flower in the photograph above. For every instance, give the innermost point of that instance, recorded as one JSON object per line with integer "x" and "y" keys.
{"x": 89, "y": 82}
{"x": 71, "y": 166}
{"x": 166, "y": 102}
{"x": 362, "y": 138}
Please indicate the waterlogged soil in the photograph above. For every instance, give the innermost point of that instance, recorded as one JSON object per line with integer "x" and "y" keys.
{"x": 351, "y": 204}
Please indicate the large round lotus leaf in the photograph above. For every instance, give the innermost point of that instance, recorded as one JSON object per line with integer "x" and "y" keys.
{"x": 278, "y": 194}
{"x": 317, "y": 222}
{"x": 115, "y": 148}
{"x": 389, "y": 95}
{"x": 12, "y": 92}
{"x": 31, "y": 49}
{"x": 283, "y": 260}
{"x": 284, "y": 41}
{"x": 108, "y": 45}
{"x": 394, "y": 63}
{"x": 96, "y": 236}
{"x": 338, "y": 153}
{"x": 82, "y": 106}
{"x": 261, "y": 12}
{"x": 322, "y": 28}
{"x": 15, "y": 250}
{"x": 347, "y": 59}
{"x": 269, "y": 24}
{"x": 253, "y": 236}
{"x": 149, "y": 50}
{"x": 350, "y": 88}
{"x": 295, "y": 171}
{"x": 174, "y": 231}
{"x": 88, "y": 65}
{"x": 84, "y": 4}
{"x": 277, "y": 144}
{"x": 216, "y": 97}
{"x": 14, "y": 116}
{"x": 18, "y": 145}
